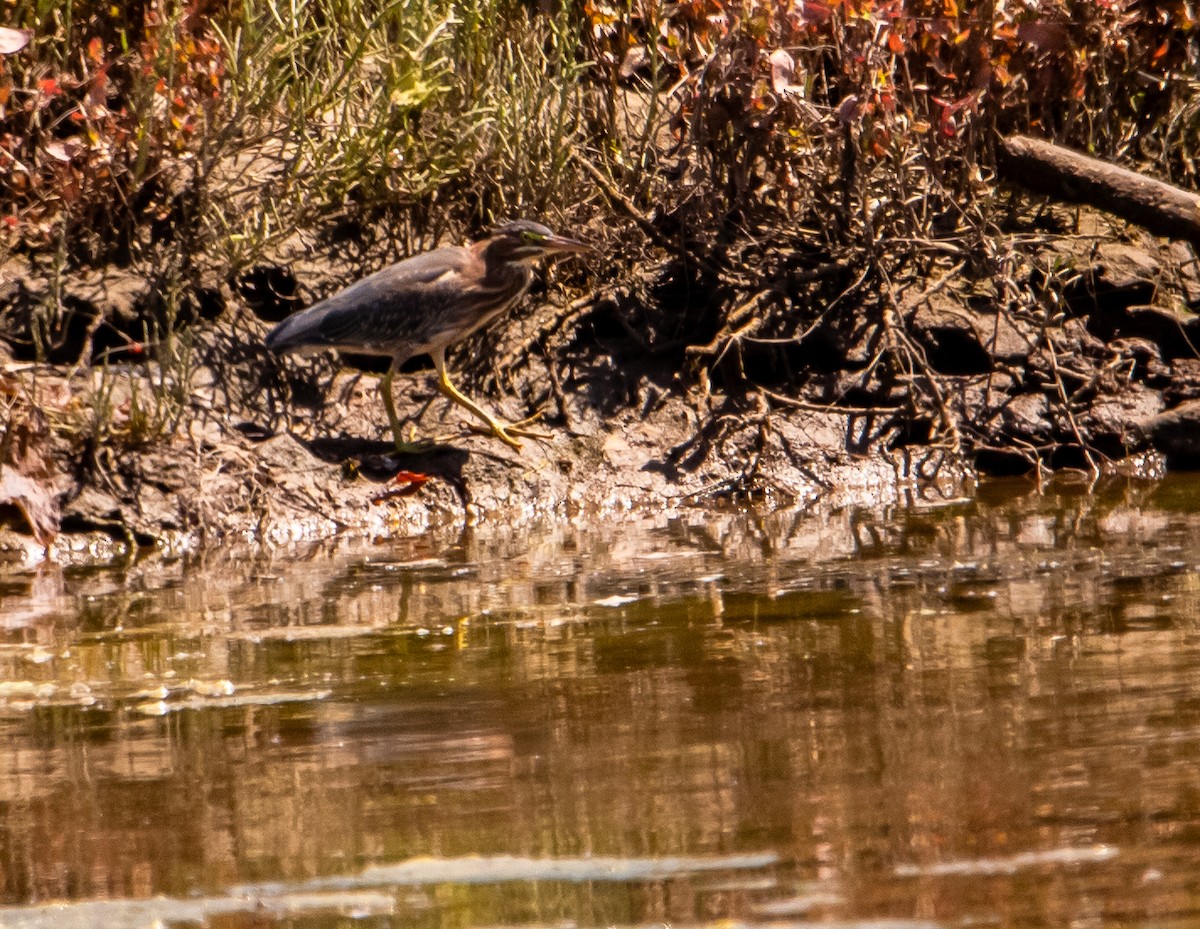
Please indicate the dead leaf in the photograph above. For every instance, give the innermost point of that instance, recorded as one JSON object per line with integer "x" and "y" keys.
{"x": 13, "y": 40}
{"x": 27, "y": 477}
{"x": 65, "y": 150}
{"x": 35, "y": 501}
{"x": 635, "y": 59}
{"x": 783, "y": 70}
{"x": 847, "y": 111}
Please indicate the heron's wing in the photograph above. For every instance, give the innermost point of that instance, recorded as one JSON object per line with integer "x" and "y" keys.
{"x": 394, "y": 311}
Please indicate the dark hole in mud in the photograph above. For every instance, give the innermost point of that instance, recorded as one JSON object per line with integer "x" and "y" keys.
{"x": 768, "y": 365}
{"x": 604, "y": 323}
{"x": 1173, "y": 337}
{"x": 1070, "y": 456}
{"x": 255, "y": 432}
{"x": 690, "y": 308}
{"x": 955, "y": 351}
{"x": 822, "y": 350}
{"x": 1001, "y": 463}
{"x": 376, "y": 461}
{"x": 303, "y": 391}
{"x": 114, "y": 527}
{"x": 983, "y": 303}
{"x": 1183, "y": 462}
{"x": 1114, "y": 446}
{"x": 67, "y": 343}
{"x": 269, "y": 291}
{"x": 111, "y": 344}
{"x": 917, "y": 431}
{"x": 112, "y": 318}
{"x": 1091, "y": 294}
{"x": 209, "y": 303}
{"x": 346, "y": 229}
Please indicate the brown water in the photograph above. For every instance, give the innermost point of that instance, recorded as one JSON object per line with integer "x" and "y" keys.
{"x": 979, "y": 713}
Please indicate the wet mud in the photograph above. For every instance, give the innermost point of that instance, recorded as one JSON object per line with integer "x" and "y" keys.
{"x": 230, "y": 443}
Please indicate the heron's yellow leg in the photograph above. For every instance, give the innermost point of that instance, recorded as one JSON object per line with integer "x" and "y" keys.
{"x": 499, "y": 430}
{"x": 389, "y": 403}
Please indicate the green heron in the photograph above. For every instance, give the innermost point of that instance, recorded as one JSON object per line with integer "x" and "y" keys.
{"x": 423, "y": 304}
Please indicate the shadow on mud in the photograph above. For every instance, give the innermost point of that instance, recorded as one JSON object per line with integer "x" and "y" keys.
{"x": 377, "y": 460}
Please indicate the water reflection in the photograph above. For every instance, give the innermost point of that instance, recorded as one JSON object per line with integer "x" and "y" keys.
{"x": 982, "y": 711}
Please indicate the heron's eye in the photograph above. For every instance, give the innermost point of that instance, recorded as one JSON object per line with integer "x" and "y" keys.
{"x": 529, "y": 237}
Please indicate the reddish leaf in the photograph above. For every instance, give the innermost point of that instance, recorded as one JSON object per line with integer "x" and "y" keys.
{"x": 816, "y": 13}
{"x": 411, "y": 481}
{"x": 49, "y": 86}
{"x": 95, "y": 50}
{"x": 1046, "y": 37}
{"x": 97, "y": 95}
{"x": 70, "y": 191}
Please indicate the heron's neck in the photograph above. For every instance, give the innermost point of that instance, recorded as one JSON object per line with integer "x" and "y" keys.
{"x": 514, "y": 274}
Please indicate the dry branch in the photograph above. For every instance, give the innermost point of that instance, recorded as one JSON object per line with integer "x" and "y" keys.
{"x": 1068, "y": 175}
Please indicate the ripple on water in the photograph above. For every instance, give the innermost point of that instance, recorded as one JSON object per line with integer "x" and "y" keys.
{"x": 981, "y": 714}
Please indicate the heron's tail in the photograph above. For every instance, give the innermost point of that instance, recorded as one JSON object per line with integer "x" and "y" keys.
{"x": 287, "y": 336}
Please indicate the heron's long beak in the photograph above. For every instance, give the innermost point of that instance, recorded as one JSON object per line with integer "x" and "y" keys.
{"x": 557, "y": 244}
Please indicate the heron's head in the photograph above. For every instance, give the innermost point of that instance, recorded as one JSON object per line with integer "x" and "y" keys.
{"x": 524, "y": 242}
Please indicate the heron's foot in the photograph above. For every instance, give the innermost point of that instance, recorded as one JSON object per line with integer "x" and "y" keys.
{"x": 508, "y": 433}
{"x": 505, "y": 434}
{"x": 520, "y": 424}
{"x": 519, "y": 429}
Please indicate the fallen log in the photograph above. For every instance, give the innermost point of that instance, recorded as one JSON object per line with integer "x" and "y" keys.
{"x": 1068, "y": 175}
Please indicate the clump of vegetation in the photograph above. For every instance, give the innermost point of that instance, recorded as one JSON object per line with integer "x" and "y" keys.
{"x": 141, "y": 119}
{"x": 789, "y": 169}
{"x": 184, "y": 142}
{"x": 828, "y": 158}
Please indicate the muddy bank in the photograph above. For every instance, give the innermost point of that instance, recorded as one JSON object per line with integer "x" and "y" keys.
{"x": 642, "y": 402}
{"x": 307, "y": 467}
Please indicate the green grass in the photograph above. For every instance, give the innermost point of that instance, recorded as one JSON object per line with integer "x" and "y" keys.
{"x": 441, "y": 114}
